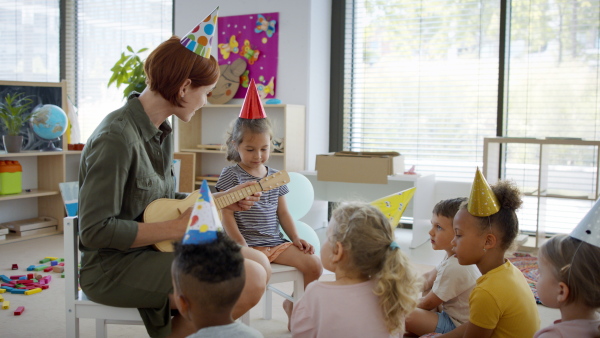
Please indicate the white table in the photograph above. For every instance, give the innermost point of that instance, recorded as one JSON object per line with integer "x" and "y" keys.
{"x": 419, "y": 208}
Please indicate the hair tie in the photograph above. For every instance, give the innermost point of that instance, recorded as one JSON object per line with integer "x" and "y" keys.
{"x": 394, "y": 245}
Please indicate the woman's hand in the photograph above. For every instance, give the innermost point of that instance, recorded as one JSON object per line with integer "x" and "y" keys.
{"x": 244, "y": 204}
{"x": 304, "y": 246}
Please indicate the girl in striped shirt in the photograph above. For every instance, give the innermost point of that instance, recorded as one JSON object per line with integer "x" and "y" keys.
{"x": 249, "y": 146}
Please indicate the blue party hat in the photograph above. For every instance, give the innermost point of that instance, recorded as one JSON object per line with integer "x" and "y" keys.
{"x": 204, "y": 221}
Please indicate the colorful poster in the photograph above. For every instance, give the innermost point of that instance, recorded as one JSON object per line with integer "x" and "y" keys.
{"x": 253, "y": 38}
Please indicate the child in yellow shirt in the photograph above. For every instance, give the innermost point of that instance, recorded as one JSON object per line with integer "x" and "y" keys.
{"x": 501, "y": 304}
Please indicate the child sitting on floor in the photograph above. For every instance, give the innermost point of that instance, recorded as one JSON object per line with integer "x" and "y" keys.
{"x": 207, "y": 282}
{"x": 375, "y": 286}
{"x": 501, "y": 304}
{"x": 449, "y": 284}
{"x": 569, "y": 268}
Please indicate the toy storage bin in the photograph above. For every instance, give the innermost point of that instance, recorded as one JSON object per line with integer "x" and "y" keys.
{"x": 10, "y": 177}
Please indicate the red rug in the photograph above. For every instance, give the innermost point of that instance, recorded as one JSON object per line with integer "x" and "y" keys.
{"x": 529, "y": 267}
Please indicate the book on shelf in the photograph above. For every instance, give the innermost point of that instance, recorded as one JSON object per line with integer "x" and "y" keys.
{"x": 3, "y": 230}
{"x": 39, "y": 231}
{"x": 29, "y": 224}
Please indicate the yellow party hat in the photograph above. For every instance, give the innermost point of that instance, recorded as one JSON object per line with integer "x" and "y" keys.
{"x": 482, "y": 201}
{"x": 393, "y": 206}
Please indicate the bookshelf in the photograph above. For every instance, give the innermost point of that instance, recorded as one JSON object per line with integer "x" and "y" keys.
{"x": 207, "y": 129}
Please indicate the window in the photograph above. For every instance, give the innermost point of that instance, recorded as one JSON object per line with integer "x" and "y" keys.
{"x": 30, "y": 33}
{"x": 104, "y": 30}
{"x": 553, "y": 91}
{"x": 422, "y": 78}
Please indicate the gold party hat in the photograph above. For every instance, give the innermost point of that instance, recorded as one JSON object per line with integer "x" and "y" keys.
{"x": 393, "y": 206}
{"x": 482, "y": 201}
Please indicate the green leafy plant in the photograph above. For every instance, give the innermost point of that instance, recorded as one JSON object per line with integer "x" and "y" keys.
{"x": 12, "y": 112}
{"x": 129, "y": 70}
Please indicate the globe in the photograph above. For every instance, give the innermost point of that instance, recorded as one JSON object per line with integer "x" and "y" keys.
{"x": 49, "y": 122}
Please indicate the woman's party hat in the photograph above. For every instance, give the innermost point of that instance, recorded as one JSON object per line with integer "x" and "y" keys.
{"x": 393, "y": 206}
{"x": 199, "y": 39}
{"x": 482, "y": 201}
{"x": 588, "y": 230}
{"x": 204, "y": 221}
{"x": 252, "y": 108}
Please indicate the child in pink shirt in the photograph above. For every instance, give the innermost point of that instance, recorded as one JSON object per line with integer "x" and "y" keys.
{"x": 569, "y": 280}
{"x": 375, "y": 286}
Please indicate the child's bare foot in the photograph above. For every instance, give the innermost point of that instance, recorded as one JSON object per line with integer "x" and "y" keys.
{"x": 288, "y": 307}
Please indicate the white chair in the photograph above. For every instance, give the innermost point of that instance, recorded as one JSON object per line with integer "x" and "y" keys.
{"x": 299, "y": 201}
{"x": 76, "y": 302}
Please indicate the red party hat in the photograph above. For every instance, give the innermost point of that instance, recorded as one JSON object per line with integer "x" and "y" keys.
{"x": 252, "y": 108}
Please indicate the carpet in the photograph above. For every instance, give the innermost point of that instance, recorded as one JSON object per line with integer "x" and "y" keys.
{"x": 528, "y": 265}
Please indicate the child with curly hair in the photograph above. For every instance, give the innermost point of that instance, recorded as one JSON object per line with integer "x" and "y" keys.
{"x": 207, "y": 282}
{"x": 501, "y": 304}
{"x": 375, "y": 286}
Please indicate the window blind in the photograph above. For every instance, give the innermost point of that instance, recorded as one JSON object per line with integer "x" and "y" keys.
{"x": 104, "y": 30}
{"x": 553, "y": 91}
{"x": 30, "y": 32}
{"x": 421, "y": 78}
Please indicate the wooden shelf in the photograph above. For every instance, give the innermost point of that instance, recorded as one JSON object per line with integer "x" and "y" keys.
{"x": 14, "y": 238}
{"x": 42, "y": 171}
{"x": 33, "y": 193}
{"x": 205, "y": 151}
{"x": 210, "y": 124}
{"x": 32, "y": 153}
{"x": 543, "y": 177}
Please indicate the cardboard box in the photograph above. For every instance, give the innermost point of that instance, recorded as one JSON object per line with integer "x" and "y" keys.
{"x": 363, "y": 167}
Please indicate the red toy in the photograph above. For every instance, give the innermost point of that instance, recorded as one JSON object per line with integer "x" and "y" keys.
{"x": 15, "y": 267}
{"x": 19, "y": 310}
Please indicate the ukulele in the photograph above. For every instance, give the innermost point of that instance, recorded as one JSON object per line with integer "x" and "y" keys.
{"x": 165, "y": 209}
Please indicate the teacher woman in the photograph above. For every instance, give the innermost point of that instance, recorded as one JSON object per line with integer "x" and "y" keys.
{"x": 126, "y": 164}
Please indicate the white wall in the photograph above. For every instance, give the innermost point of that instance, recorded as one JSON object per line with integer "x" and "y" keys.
{"x": 304, "y": 55}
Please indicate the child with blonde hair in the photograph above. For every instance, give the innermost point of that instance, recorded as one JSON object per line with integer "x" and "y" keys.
{"x": 375, "y": 286}
{"x": 569, "y": 268}
{"x": 449, "y": 284}
{"x": 249, "y": 146}
{"x": 501, "y": 304}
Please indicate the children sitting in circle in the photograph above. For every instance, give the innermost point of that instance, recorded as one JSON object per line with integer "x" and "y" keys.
{"x": 449, "y": 284}
{"x": 375, "y": 286}
{"x": 208, "y": 279}
{"x": 249, "y": 145}
{"x": 569, "y": 279}
{"x": 501, "y": 304}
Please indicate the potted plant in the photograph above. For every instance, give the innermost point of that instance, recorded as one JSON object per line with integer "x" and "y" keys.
{"x": 129, "y": 70}
{"x": 13, "y": 114}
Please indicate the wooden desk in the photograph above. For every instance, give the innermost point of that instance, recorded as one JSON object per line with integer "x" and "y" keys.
{"x": 419, "y": 208}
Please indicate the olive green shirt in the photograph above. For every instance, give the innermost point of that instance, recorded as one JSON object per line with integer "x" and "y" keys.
{"x": 125, "y": 165}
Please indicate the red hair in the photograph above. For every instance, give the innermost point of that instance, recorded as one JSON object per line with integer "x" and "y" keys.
{"x": 170, "y": 64}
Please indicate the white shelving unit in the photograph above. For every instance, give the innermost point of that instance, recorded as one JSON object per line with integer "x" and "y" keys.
{"x": 211, "y": 123}
{"x": 545, "y": 170}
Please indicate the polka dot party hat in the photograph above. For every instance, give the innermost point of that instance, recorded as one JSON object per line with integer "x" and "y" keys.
{"x": 482, "y": 201}
{"x": 393, "y": 206}
{"x": 199, "y": 39}
{"x": 204, "y": 221}
{"x": 588, "y": 230}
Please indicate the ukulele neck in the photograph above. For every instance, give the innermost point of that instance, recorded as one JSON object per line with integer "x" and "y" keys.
{"x": 238, "y": 195}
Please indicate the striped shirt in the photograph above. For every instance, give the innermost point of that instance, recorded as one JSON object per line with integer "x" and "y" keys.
{"x": 260, "y": 224}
